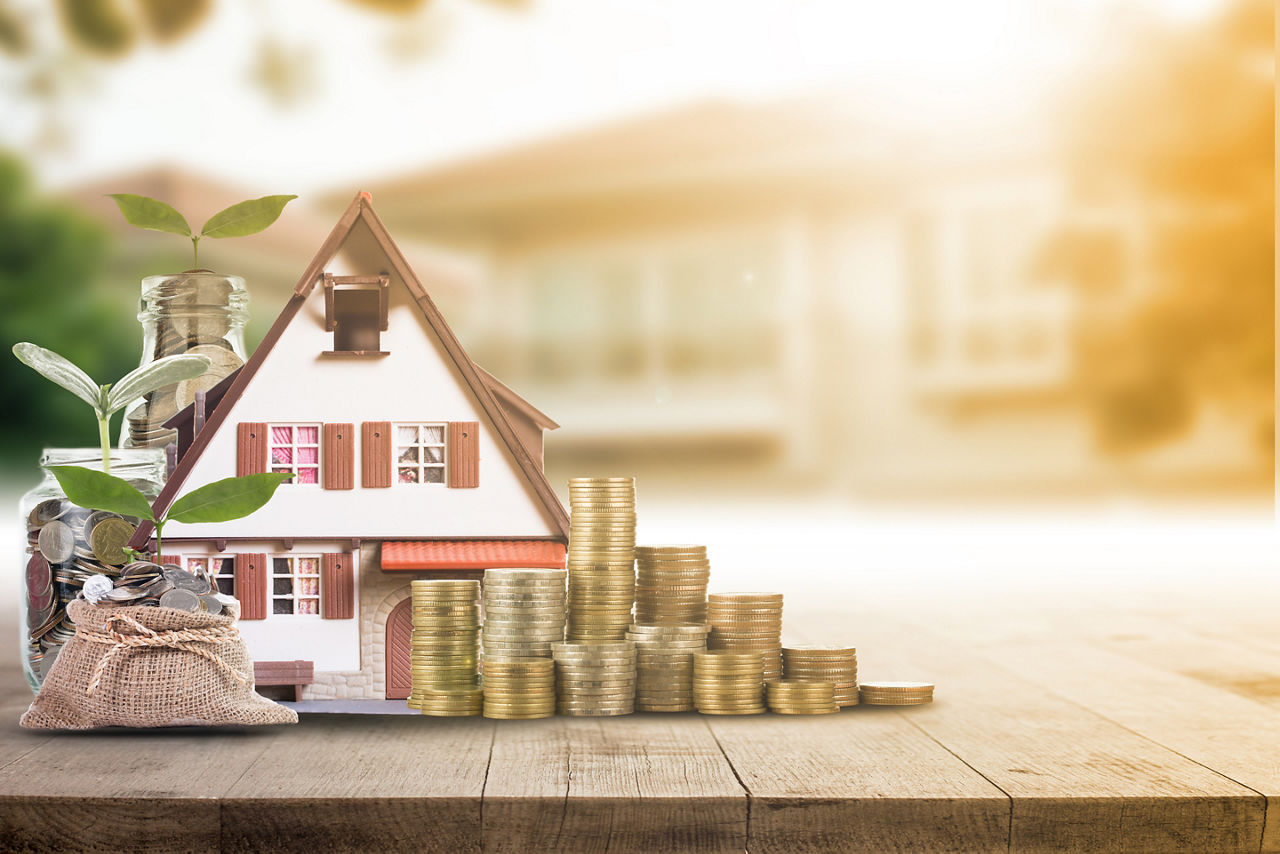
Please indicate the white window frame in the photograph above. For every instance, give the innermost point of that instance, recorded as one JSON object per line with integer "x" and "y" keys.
{"x": 227, "y": 562}
{"x": 293, "y": 576}
{"x": 293, "y": 447}
{"x": 398, "y": 448}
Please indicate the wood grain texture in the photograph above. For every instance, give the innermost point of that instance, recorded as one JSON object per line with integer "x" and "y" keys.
{"x": 335, "y": 783}
{"x": 337, "y": 586}
{"x": 251, "y": 448}
{"x": 339, "y": 456}
{"x": 1078, "y": 780}
{"x": 642, "y": 784}
{"x": 861, "y": 780}
{"x": 464, "y": 454}
{"x": 251, "y": 585}
{"x": 375, "y": 454}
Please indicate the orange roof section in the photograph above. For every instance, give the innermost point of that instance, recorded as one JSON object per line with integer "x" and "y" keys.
{"x": 472, "y": 554}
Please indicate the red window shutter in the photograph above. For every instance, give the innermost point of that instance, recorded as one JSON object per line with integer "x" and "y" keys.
{"x": 338, "y": 587}
{"x": 251, "y": 449}
{"x": 173, "y": 559}
{"x": 339, "y": 456}
{"x": 375, "y": 454}
{"x": 251, "y": 586}
{"x": 464, "y": 454}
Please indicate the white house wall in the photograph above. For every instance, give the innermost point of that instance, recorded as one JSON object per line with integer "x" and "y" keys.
{"x": 417, "y": 382}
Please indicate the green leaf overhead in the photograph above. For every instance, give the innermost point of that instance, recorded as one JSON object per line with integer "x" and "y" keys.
{"x": 155, "y": 375}
{"x": 146, "y": 212}
{"x": 60, "y": 370}
{"x": 227, "y": 499}
{"x": 246, "y": 218}
{"x": 94, "y": 490}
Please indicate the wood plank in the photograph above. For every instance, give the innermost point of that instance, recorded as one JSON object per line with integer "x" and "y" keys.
{"x": 861, "y": 780}
{"x": 1078, "y": 781}
{"x": 1236, "y": 737}
{"x": 123, "y": 790}
{"x": 339, "y": 782}
{"x": 649, "y": 783}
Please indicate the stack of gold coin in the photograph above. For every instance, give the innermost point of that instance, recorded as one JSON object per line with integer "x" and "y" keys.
{"x": 671, "y": 584}
{"x": 595, "y": 679}
{"x": 523, "y": 612}
{"x": 896, "y": 693}
{"x": 728, "y": 683}
{"x": 442, "y": 647}
{"x": 742, "y": 621}
{"x": 519, "y": 688}
{"x": 602, "y": 540}
{"x": 835, "y": 664}
{"x": 664, "y": 665}
{"x": 793, "y": 697}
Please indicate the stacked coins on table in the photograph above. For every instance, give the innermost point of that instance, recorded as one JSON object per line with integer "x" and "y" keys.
{"x": 728, "y": 683}
{"x": 835, "y": 664}
{"x": 793, "y": 697}
{"x": 595, "y": 679}
{"x": 602, "y": 540}
{"x": 664, "y": 665}
{"x": 671, "y": 584}
{"x": 748, "y": 621}
{"x": 519, "y": 688}
{"x": 896, "y": 693}
{"x": 523, "y": 612}
{"x": 442, "y": 648}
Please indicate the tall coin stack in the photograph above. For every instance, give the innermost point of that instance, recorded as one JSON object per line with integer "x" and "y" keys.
{"x": 595, "y": 679}
{"x": 523, "y": 612}
{"x": 602, "y": 541}
{"x": 442, "y": 648}
{"x": 671, "y": 584}
{"x": 728, "y": 683}
{"x": 835, "y": 664}
{"x": 793, "y": 697}
{"x": 748, "y": 621}
{"x": 664, "y": 665}
{"x": 519, "y": 688}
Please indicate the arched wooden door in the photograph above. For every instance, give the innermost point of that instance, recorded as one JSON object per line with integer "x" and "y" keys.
{"x": 399, "y": 628}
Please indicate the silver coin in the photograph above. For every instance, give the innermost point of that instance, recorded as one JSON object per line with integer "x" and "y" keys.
{"x": 57, "y": 542}
{"x": 181, "y": 600}
{"x": 212, "y": 604}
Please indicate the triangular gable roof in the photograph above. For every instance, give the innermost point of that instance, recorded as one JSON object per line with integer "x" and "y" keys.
{"x": 361, "y": 207}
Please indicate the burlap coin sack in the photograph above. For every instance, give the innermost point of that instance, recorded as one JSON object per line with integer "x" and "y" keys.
{"x": 151, "y": 667}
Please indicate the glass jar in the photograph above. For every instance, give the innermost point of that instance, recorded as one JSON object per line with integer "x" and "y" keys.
{"x": 200, "y": 312}
{"x": 57, "y": 555}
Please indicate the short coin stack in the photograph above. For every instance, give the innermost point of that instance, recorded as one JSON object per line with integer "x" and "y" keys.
{"x": 835, "y": 664}
{"x": 519, "y": 688}
{"x": 523, "y": 612}
{"x": 442, "y": 648}
{"x": 793, "y": 697}
{"x": 664, "y": 665}
{"x": 602, "y": 540}
{"x": 896, "y": 693}
{"x": 728, "y": 683}
{"x": 671, "y": 584}
{"x": 742, "y": 621}
{"x": 595, "y": 679}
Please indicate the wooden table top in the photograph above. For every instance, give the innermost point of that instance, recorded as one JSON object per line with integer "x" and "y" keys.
{"x": 1082, "y": 726}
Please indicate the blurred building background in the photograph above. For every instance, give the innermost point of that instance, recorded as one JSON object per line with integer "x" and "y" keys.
{"x": 1062, "y": 293}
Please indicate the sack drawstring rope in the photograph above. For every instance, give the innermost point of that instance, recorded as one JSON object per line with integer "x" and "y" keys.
{"x": 183, "y": 639}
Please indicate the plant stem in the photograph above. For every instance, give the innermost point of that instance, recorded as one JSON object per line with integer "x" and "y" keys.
{"x": 195, "y": 252}
{"x": 103, "y": 431}
{"x": 159, "y": 534}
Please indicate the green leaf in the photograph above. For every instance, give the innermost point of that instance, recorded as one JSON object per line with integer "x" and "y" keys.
{"x": 59, "y": 370}
{"x": 246, "y": 218}
{"x": 227, "y": 499}
{"x": 146, "y": 212}
{"x": 155, "y": 375}
{"x": 94, "y": 490}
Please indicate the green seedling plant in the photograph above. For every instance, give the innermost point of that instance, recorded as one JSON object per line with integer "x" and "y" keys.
{"x": 239, "y": 220}
{"x": 108, "y": 399}
{"x": 220, "y": 501}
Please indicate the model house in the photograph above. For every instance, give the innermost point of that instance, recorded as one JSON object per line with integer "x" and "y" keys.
{"x": 408, "y": 459}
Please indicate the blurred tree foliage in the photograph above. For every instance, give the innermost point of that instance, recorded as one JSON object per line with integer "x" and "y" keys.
{"x": 1178, "y": 291}
{"x": 51, "y": 262}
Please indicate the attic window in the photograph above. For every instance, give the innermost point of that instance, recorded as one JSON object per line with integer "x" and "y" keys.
{"x": 355, "y": 311}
